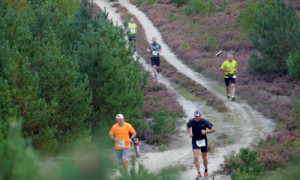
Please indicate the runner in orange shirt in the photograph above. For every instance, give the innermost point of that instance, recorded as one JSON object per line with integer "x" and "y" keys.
{"x": 120, "y": 134}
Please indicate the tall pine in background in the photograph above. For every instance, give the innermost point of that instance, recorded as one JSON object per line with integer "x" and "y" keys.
{"x": 275, "y": 33}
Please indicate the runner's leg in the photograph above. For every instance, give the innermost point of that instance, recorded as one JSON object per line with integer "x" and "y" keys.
{"x": 125, "y": 157}
{"x": 196, "y": 159}
{"x": 232, "y": 87}
{"x": 205, "y": 161}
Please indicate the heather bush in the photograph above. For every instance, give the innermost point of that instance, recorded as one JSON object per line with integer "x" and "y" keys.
{"x": 277, "y": 150}
{"x": 157, "y": 98}
{"x": 290, "y": 173}
{"x": 293, "y": 64}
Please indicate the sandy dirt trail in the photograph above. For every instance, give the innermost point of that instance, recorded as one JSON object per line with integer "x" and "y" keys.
{"x": 242, "y": 124}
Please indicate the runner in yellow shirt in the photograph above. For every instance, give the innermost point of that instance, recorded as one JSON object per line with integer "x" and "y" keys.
{"x": 132, "y": 28}
{"x": 120, "y": 134}
{"x": 229, "y": 67}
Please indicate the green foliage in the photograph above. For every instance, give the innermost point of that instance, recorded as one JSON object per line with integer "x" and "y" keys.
{"x": 19, "y": 5}
{"x": 151, "y": 2}
{"x": 295, "y": 111}
{"x": 185, "y": 45}
{"x": 18, "y": 160}
{"x": 247, "y": 17}
{"x": 275, "y": 33}
{"x": 67, "y": 7}
{"x": 103, "y": 56}
{"x": 204, "y": 8}
{"x": 142, "y": 173}
{"x": 163, "y": 123}
{"x": 163, "y": 147}
{"x": 210, "y": 40}
{"x": 139, "y": 2}
{"x": 245, "y": 165}
{"x": 293, "y": 64}
{"x": 179, "y": 3}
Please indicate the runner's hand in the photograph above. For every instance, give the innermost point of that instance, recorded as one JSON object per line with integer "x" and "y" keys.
{"x": 203, "y": 132}
{"x": 191, "y": 135}
{"x": 129, "y": 140}
{"x": 117, "y": 139}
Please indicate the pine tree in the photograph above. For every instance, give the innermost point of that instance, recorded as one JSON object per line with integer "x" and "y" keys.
{"x": 18, "y": 160}
{"x": 114, "y": 76}
{"x": 275, "y": 33}
{"x": 293, "y": 64}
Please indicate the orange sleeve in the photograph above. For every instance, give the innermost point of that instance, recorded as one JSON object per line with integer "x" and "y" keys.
{"x": 112, "y": 132}
{"x": 131, "y": 129}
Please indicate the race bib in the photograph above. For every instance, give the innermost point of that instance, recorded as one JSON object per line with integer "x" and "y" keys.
{"x": 132, "y": 30}
{"x": 120, "y": 144}
{"x": 201, "y": 143}
{"x": 154, "y": 53}
{"x": 234, "y": 76}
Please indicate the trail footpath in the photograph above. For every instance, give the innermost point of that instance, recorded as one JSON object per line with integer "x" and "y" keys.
{"x": 242, "y": 125}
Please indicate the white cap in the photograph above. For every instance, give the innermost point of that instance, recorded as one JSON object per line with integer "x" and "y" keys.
{"x": 120, "y": 116}
{"x": 197, "y": 113}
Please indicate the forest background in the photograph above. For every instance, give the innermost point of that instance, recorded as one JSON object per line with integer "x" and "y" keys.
{"x": 65, "y": 72}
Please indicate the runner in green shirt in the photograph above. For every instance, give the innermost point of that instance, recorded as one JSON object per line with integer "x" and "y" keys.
{"x": 229, "y": 67}
{"x": 132, "y": 28}
{"x": 155, "y": 50}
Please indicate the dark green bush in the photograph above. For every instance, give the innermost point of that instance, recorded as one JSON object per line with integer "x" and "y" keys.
{"x": 274, "y": 34}
{"x": 293, "y": 64}
{"x": 245, "y": 165}
{"x": 163, "y": 123}
{"x": 179, "y": 3}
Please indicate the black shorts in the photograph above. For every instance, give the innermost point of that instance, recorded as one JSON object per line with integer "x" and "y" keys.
{"x": 131, "y": 37}
{"x": 203, "y": 149}
{"x": 227, "y": 80}
{"x": 155, "y": 61}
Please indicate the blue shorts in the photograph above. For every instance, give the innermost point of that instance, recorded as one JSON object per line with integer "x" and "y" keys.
{"x": 203, "y": 149}
{"x": 227, "y": 80}
{"x": 155, "y": 61}
{"x": 122, "y": 153}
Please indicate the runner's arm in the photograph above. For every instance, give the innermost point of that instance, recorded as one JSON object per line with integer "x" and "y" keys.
{"x": 225, "y": 70}
{"x": 212, "y": 130}
{"x": 113, "y": 138}
{"x": 160, "y": 50}
{"x": 188, "y": 130}
{"x": 133, "y": 135}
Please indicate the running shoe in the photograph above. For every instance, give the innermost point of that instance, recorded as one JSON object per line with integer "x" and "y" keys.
{"x": 155, "y": 76}
{"x": 157, "y": 70}
{"x": 206, "y": 175}
{"x": 228, "y": 97}
{"x": 199, "y": 176}
{"x": 233, "y": 98}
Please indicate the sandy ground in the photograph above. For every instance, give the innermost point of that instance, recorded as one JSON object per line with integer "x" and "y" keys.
{"x": 242, "y": 124}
